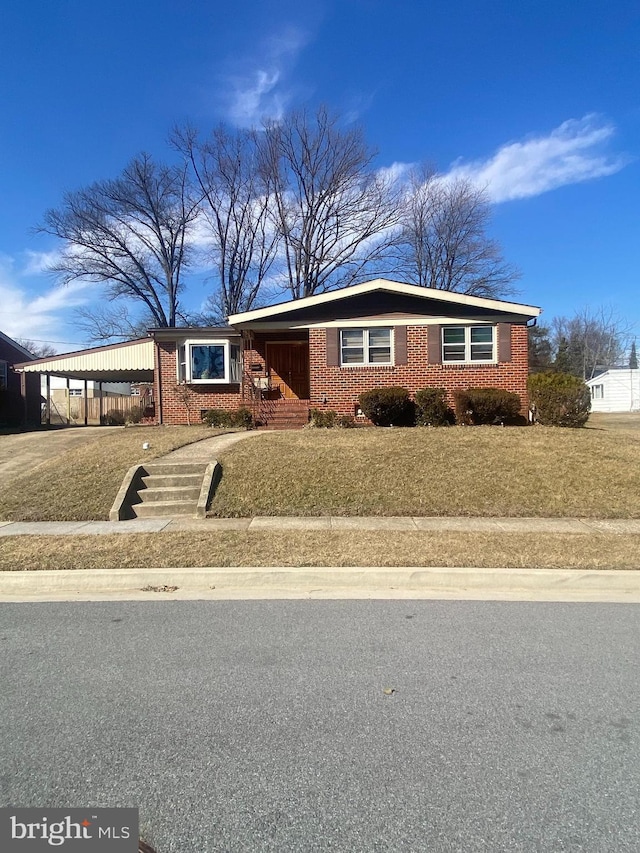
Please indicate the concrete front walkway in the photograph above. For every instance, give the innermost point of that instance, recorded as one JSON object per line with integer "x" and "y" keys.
{"x": 433, "y": 524}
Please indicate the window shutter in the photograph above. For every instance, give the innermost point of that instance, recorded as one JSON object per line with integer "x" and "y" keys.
{"x": 504, "y": 342}
{"x": 400, "y": 344}
{"x": 333, "y": 347}
{"x": 434, "y": 344}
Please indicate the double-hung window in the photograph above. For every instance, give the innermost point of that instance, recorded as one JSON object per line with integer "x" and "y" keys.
{"x": 469, "y": 344}
{"x": 365, "y": 346}
{"x": 597, "y": 392}
{"x": 209, "y": 362}
{"x": 4, "y": 374}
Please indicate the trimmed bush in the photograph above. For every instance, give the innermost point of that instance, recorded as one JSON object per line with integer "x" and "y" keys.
{"x": 134, "y": 415}
{"x": 241, "y": 417}
{"x": 486, "y": 406}
{"x": 559, "y": 399}
{"x": 323, "y": 418}
{"x": 346, "y": 422}
{"x": 431, "y": 407}
{"x": 113, "y": 417}
{"x": 388, "y": 406}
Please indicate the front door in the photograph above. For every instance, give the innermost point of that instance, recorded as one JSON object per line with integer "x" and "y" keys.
{"x": 288, "y": 365}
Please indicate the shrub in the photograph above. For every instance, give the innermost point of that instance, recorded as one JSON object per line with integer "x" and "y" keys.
{"x": 432, "y": 409}
{"x": 241, "y": 417}
{"x": 486, "y": 406}
{"x": 113, "y": 417}
{"x": 388, "y": 406}
{"x": 559, "y": 399}
{"x": 323, "y": 418}
{"x": 134, "y": 415}
{"x": 346, "y": 422}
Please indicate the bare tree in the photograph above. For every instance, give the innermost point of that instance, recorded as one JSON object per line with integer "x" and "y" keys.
{"x": 333, "y": 213}
{"x": 38, "y": 349}
{"x": 242, "y": 241}
{"x": 443, "y": 239}
{"x": 591, "y": 339}
{"x": 129, "y": 234}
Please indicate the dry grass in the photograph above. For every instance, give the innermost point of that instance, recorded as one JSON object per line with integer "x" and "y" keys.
{"x": 614, "y": 421}
{"x": 367, "y": 548}
{"x": 82, "y": 483}
{"x": 478, "y": 471}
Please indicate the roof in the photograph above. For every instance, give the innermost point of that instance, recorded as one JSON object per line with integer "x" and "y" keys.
{"x": 16, "y": 345}
{"x": 381, "y": 285}
{"x": 131, "y": 361}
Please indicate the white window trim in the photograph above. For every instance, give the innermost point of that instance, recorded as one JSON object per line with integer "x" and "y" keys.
{"x": 365, "y": 348}
{"x": 597, "y": 392}
{"x": 187, "y": 344}
{"x": 467, "y": 345}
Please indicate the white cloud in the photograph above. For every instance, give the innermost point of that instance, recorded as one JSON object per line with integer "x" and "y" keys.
{"x": 260, "y": 90}
{"x": 41, "y": 315}
{"x": 570, "y": 154}
{"x": 39, "y": 262}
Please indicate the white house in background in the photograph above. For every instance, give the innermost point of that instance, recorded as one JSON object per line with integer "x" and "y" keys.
{"x": 76, "y": 388}
{"x": 615, "y": 390}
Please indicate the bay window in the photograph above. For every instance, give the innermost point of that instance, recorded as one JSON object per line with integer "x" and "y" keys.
{"x": 209, "y": 362}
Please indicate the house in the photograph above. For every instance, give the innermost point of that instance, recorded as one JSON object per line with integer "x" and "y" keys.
{"x": 19, "y": 394}
{"x": 615, "y": 390}
{"x": 321, "y": 351}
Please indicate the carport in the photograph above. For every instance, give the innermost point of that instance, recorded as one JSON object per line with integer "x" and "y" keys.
{"x": 131, "y": 361}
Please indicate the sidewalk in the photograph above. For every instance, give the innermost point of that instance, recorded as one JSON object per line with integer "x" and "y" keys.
{"x": 330, "y": 523}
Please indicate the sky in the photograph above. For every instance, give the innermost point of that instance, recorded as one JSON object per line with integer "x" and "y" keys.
{"x": 537, "y": 101}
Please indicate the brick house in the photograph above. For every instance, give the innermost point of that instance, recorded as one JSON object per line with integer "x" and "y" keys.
{"x": 19, "y": 394}
{"x": 323, "y": 351}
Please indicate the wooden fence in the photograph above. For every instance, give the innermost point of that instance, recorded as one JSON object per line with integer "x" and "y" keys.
{"x": 73, "y": 411}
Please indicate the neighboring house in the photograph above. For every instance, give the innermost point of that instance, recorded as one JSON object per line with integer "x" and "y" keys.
{"x": 19, "y": 394}
{"x": 322, "y": 351}
{"x": 615, "y": 390}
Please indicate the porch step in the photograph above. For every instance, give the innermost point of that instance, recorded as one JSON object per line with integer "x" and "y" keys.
{"x": 163, "y": 481}
{"x": 284, "y": 414}
{"x": 164, "y": 509}
{"x": 172, "y": 493}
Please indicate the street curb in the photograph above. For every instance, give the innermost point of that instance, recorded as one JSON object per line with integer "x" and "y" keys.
{"x": 330, "y": 581}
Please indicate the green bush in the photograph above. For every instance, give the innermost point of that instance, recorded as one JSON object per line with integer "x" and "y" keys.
{"x": 323, "y": 418}
{"x": 559, "y": 399}
{"x": 241, "y": 417}
{"x": 388, "y": 406}
{"x": 431, "y": 407}
{"x": 134, "y": 415}
{"x": 486, "y": 406}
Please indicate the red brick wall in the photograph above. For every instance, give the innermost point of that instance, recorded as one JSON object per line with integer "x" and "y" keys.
{"x": 173, "y": 409}
{"x": 342, "y": 385}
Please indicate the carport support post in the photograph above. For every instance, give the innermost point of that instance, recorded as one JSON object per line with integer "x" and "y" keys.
{"x": 68, "y": 402}
{"x": 23, "y": 393}
{"x": 100, "y": 403}
{"x": 48, "y": 399}
{"x": 86, "y": 404}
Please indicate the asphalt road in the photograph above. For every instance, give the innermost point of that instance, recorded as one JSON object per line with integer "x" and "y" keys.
{"x": 263, "y": 726}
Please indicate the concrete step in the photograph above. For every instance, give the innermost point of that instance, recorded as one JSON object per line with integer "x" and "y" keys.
{"x": 171, "y": 493}
{"x": 162, "y": 468}
{"x": 164, "y": 481}
{"x": 164, "y": 509}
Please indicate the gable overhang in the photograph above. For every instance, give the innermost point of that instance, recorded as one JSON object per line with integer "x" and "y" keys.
{"x": 131, "y": 361}
{"x": 383, "y": 302}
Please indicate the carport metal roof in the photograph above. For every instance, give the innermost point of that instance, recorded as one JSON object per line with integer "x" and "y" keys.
{"x": 131, "y": 361}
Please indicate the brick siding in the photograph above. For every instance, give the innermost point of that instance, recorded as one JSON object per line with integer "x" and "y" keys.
{"x": 342, "y": 385}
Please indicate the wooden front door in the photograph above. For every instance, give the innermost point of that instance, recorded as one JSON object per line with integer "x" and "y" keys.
{"x": 288, "y": 366}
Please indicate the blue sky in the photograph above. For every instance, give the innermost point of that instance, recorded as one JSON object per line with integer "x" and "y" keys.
{"x": 538, "y": 100}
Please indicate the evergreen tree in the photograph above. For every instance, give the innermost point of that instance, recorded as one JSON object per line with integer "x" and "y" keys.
{"x": 633, "y": 358}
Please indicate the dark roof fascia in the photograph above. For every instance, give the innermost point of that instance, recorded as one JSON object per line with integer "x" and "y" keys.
{"x": 175, "y": 332}
{"x": 17, "y": 346}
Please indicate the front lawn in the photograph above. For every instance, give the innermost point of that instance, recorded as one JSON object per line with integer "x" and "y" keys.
{"x": 82, "y": 483}
{"x": 468, "y": 471}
